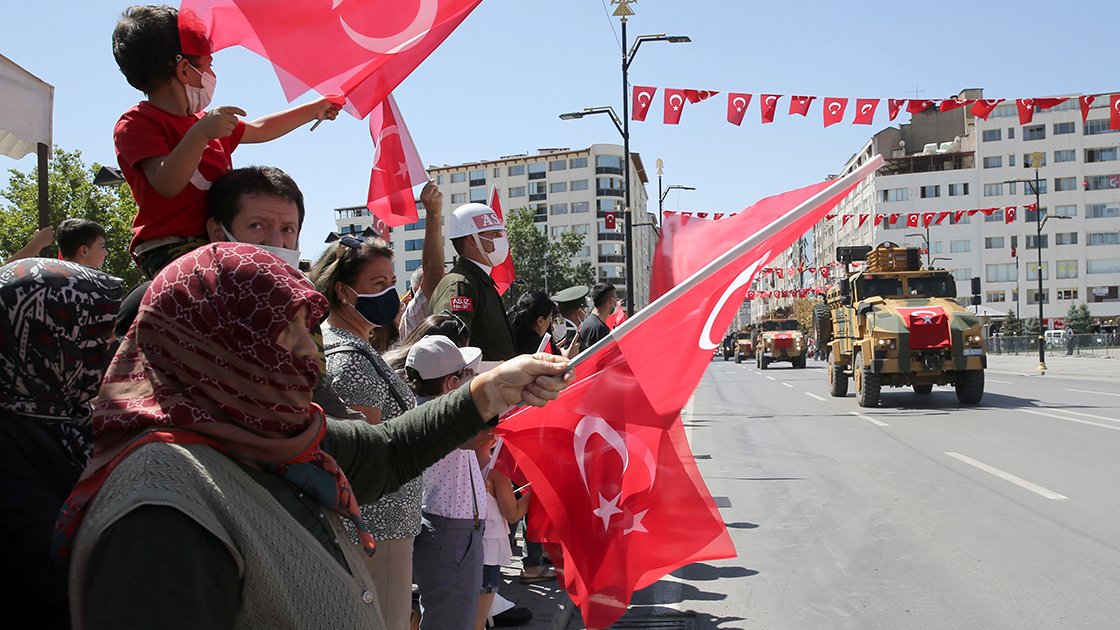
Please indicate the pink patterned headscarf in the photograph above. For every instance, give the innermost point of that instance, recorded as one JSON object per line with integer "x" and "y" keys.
{"x": 201, "y": 365}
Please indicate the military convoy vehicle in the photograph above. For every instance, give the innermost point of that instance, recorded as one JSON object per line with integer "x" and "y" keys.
{"x": 896, "y": 324}
{"x": 744, "y": 344}
{"x": 779, "y": 338}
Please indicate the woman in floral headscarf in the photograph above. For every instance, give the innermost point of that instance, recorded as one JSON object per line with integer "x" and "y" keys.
{"x": 216, "y": 489}
{"x": 56, "y": 319}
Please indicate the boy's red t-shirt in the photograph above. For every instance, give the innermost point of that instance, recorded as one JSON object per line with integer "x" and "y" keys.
{"x": 147, "y": 131}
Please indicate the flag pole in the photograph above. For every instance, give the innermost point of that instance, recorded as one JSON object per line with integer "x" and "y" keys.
{"x": 742, "y": 248}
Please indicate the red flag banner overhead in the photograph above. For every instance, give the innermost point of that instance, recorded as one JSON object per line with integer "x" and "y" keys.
{"x": 912, "y": 220}
{"x": 503, "y": 275}
{"x": 1026, "y": 110}
{"x": 360, "y": 49}
{"x": 674, "y": 106}
{"x": 736, "y": 107}
{"x": 769, "y": 103}
{"x": 927, "y": 218}
{"x": 1086, "y": 102}
{"x": 983, "y": 107}
{"x": 950, "y": 104}
{"x": 862, "y": 220}
{"x": 941, "y": 216}
{"x": 915, "y": 106}
{"x": 865, "y": 111}
{"x": 695, "y": 96}
{"x": 800, "y": 105}
{"x": 834, "y": 110}
{"x": 895, "y": 106}
{"x": 396, "y": 167}
{"x": 643, "y": 96}
{"x": 1114, "y": 117}
{"x": 1009, "y": 215}
{"x": 1047, "y": 103}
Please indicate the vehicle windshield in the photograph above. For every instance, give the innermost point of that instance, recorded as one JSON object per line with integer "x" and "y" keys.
{"x": 935, "y": 286}
{"x": 786, "y": 324}
{"x": 744, "y": 335}
{"x": 883, "y": 287}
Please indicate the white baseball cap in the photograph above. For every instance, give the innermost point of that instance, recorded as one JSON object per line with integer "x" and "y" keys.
{"x": 437, "y": 356}
{"x": 472, "y": 218}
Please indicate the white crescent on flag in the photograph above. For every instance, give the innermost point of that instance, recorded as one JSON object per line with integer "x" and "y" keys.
{"x": 676, "y": 100}
{"x": 705, "y": 342}
{"x": 413, "y": 33}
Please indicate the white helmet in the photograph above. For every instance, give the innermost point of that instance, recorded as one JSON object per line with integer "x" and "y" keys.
{"x": 472, "y": 218}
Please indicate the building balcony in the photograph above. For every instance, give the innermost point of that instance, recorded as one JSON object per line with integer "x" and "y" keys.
{"x": 610, "y": 170}
{"x": 538, "y": 197}
{"x": 611, "y": 236}
{"x": 612, "y": 258}
{"x": 911, "y": 164}
{"x": 608, "y": 192}
{"x": 540, "y": 175}
{"x": 478, "y": 182}
{"x": 540, "y": 218}
{"x": 618, "y": 282}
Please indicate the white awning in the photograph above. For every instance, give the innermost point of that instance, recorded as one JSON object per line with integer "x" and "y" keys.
{"x": 26, "y": 108}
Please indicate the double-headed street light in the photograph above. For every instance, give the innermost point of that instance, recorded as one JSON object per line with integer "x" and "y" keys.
{"x": 662, "y": 193}
{"x": 624, "y": 128}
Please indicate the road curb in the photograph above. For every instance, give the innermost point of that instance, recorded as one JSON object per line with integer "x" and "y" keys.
{"x": 563, "y": 614}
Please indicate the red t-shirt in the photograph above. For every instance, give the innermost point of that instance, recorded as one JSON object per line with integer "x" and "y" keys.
{"x": 147, "y": 131}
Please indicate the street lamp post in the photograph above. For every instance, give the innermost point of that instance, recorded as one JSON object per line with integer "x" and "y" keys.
{"x": 661, "y": 195}
{"x": 622, "y": 12}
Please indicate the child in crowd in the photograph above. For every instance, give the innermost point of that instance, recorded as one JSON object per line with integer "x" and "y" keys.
{"x": 82, "y": 241}
{"x": 447, "y": 555}
{"x": 170, "y": 148}
{"x": 503, "y": 508}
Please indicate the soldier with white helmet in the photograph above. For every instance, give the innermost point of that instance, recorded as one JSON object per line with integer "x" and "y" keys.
{"x": 468, "y": 291}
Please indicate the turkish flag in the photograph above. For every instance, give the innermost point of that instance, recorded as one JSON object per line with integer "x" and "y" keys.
{"x": 396, "y": 167}
{"x": 1086, "y": 103}
{"x": 927, "y": 218}
{"x": 914, "y": 106}
{"x": 610, "y": 220}
{"x": 769, "y": 103}
{"x": 929, "y": 327}
{"x": 1047, "y": 103}
{"x": 958, "y": 216}
{"x": 834, "y": 110}
{"x": 643, "y": 96}
{"x": 695, "y": 96}
{"x": 1114, "y": 116}
{"x": 941, "y": 217}
{"x": 989, "y": 211}
{"x": 950, "y": 104}
{"x": 865, "y": 111}
{"x": 879, "y": 218}
{"x": 360, "y": 49}
{"x": 862, "y": 219}
{"x": 1013, "y": 253}
{"x": 1009, "y": 214}
{"x": 983, "y": 107}
{"x": 844, "y": 220}
{"x": 895, "y": 106}
{"x": 800, "y": 104}
{"x": 674, "y": 106}
{"x": 895, "y": 216}
{"x": 616, "y": 318}
{"x": 1026, "y": 110}
{"x": 912, "y": 220}
{"x": 503, "y": 275}
{"x": 824, "y": 272}
{"x": 736, "y": 107}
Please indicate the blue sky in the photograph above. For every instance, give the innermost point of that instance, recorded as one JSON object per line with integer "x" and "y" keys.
{"x": 498, "y": 84}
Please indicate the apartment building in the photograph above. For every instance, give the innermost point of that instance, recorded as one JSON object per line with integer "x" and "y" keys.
{"x": 569, "y": 190}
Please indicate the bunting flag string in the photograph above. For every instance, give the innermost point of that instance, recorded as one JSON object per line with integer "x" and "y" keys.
{"x": 835, "y": 108}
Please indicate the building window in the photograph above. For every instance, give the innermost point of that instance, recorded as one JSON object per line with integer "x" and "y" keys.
{"x": 1102, "y": 154}
{"x": 994, "y": 161}
{"x": 614, "y": 161}
{"x": 516, "y": 170}
{"x": 962, "y": 275}
{"x": 958, "y": 190}
{"x": 965, "y": 219}
{"x": 1027, "y": 163}
{"x": 1065, "y": 238}
{"x": 894, "y": 194}
{"x": 1010, "y": 133}
{"x": 1001, "y": 273}
{"x": 582, "y": 228}
{"x": 996, "y": 296}
{"x": 1096, "y": 127}
{"x": 580, "y": 162}
{"x": 992, "y": 135}
{"x": 1067, "y": 269}
{"x": 581, "y": 206}
{"x": 1102, "y": 210}
{"x": 584, "y": 251}
{"x": 993, "y": 242}
{"x": 1011, "y": 161}
{"x": 439, "y": 180}
{"x": 458, "y": 178}
{"x": 929, "y": 192}
{"x": 1032, "y": 296}
{"x": 609, "y": 205}
{"x": 458, "y": 197}
{"x": 1103, "y": 265}
{"x": 419, "y": 225}
{"x": 537, "y": 188}
{"x": 579, "y": 184}
{"x": 1028, "y": 187}
{"x": 560, "y": 230}
{"x": 1102, "y": 238}
{"x": 558, "y": 187}
{"x": 414, "y": 245}
{"x": 1066, "y": 211}
{"x": 1034, "y": 132}
{"x": 993, "y": 190}
{"x": 478, "y": 195}
{"x": 1032, "y": 241}
{"x": 1065, "y": 183}
{"x": 995, "y": 217}
{"x": 956, "y": 247}
{"x": 1032, "y": 271}
{"x": 478, "y": 178}
{"x": 1067, "y": 294}
{"x": 412, "y": 265}
{"x": 1014, "y": 241}
{"x": 1102, "y": 182}
{"x": 558, "y": 165}
{"x": 559, "y": 208}
{"x": 1068, "y": 155}
{"x": 935, "y": 247}
{"x": 537, "y": 170}
{"x": 497, "y": 172}
{"x": 1064, "y": 128}
{"x": 517, "y": 191}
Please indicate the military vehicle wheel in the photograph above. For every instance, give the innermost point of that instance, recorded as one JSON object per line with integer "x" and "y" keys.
{"x": 738, "y": 357}
{"x": 822, "y": 324}
{"x": 763, "y": 362}
{"x": 867, "y": 383}
{"x": 799, "y": 362}
{"x": 970, "y": 386}
{"x": 923, "y": 388}
{"x": 837, "y": 380}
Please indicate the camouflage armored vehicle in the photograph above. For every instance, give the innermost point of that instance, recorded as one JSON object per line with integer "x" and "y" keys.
{"x": 780, "y": 339}
{"x": 744, "y": 344}
{"x": 896, "y": 324}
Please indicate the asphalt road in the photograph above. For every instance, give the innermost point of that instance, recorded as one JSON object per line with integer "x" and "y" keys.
{"x": 921, "y": 513}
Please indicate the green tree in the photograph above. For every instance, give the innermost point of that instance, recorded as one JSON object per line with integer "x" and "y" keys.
{"x": 542, "y": 263}
{"x": 72, "y": 195}
{"x": 1012, "y": 325}
{"x": 1030, "y": 329}
{"x": 1079, "y": 319}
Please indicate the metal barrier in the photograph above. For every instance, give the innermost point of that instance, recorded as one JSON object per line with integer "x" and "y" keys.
{"x": 1094, "y": 344}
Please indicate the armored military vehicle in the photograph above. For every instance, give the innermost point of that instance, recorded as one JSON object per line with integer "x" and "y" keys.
{"x": 896, "y": 324}
{"x": 744, "y": 343}
{"x": 779, "y": 338}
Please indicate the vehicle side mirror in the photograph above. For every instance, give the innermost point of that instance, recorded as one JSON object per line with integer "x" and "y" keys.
{"x": 976, "y": 285}
{"x": 845, "y": 288}
{"x": 976, "y": 301}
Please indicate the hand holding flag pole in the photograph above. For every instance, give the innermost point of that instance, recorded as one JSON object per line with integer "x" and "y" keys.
{"x": 337, "y": 101}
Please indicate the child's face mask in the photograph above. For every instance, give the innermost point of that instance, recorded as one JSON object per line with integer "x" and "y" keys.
{"x": 198, "y": 99}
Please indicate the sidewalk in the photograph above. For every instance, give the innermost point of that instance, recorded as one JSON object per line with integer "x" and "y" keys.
{"x": 1057, "y": 364}
{"x": 552, "y": 609}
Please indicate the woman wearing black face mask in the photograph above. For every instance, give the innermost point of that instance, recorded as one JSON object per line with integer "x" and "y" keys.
{"x": 534, "y": 315}
{"x": 356, "y": 276}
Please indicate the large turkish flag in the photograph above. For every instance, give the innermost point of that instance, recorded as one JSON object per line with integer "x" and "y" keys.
{"x": 360, "y": 48}
{"x": 396, "y": 167}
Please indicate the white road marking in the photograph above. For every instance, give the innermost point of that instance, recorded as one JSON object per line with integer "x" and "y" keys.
{"x": 869, "y": 419}
{"x": 771, "y": 378}
{"x": 1051, "y": 415}
{"x": 1085, "y": 391}
{"x": 811, "y": 394}
{"x": 1089, "y": 415}
{"x": 1022, "y": 483}
{"x": 1000, "y": 382}
{"x": 787, "y": 384}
